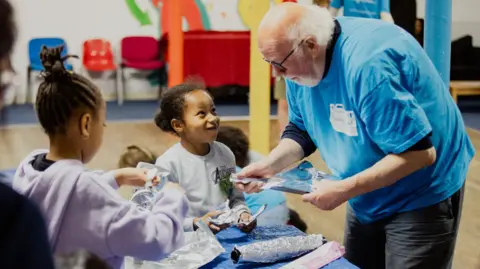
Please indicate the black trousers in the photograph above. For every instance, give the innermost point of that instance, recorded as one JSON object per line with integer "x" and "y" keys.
{"x": 423, "y": 238}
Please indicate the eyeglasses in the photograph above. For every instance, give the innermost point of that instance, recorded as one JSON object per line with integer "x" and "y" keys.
{"x": 280, "y": 64}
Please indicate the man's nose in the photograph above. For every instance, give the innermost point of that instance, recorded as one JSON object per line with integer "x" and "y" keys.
{"x": 277, "y": 71}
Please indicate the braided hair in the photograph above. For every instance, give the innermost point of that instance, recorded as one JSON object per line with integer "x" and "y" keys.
{"x": 62, "y": 92}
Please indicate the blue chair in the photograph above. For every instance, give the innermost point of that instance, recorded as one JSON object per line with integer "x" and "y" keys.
{"x": 34, "y": 49}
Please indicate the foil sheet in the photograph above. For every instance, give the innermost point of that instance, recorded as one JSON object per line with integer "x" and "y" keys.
{"x": 278, "y": 249}
{"x": 225, "y": 219}
{"x": 201, "y": 247}
{"x": 298, "y": 180}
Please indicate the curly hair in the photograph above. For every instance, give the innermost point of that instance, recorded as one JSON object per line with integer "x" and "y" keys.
{"x": 173, "y": 103}
{"x": 237, "y": 141}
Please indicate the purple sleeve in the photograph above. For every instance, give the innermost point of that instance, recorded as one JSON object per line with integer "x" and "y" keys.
{"x": 108, "y": 177}
{"x": 149, "y": 235}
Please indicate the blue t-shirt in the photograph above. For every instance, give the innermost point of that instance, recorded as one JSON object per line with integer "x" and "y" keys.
{"x": 382, "y": 95}
{"x": 362, "y": 8}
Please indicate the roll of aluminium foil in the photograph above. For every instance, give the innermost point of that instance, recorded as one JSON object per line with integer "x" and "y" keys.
{"x": 278, "y": 249}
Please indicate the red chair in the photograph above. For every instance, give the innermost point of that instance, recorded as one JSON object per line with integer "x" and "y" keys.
{"x": 98, "y": 57}
{"x": 141, "y": 53}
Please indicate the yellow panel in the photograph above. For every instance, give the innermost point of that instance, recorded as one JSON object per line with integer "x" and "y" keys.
{"x": 259, "y": 84}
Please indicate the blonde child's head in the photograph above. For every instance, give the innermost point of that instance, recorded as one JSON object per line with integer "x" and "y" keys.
{"x": 135, "y": 154}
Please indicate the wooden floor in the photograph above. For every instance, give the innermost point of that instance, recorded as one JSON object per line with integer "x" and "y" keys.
{"x": 19, "y": 141}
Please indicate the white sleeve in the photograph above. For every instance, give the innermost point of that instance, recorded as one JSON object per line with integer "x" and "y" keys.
{"x": 236, "y": 199}
{"x": 165, "y": 162}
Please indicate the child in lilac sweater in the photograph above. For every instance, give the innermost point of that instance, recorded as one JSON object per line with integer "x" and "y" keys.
{"x": 81, "y": 208}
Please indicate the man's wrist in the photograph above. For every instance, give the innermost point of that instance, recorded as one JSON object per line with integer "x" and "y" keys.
{"x": 270, "y": 162}
{"x": 351, "y": 187}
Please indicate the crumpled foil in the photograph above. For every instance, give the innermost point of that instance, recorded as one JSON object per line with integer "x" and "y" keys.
{"x": 231, "y": 217}
{"x": 152, "y": 173}
{"x": 200, "y": 248}
{"x": 144, "y": 196}
{"x": 278, "y": 249}
{"x": 144, "y": 199}
{"x": 227, "y": 218}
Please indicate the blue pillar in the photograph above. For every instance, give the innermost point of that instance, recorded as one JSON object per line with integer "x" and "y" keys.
{"x": 438, "y": 31}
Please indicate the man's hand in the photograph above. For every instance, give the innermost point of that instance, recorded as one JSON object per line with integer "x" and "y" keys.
{"x": 328, "y": 194}
{"x": 245, "y": 219}
{"x": 259, "y": 169}
{"x": 284, "y": 155}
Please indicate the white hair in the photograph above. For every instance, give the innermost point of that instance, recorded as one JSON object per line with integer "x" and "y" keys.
{"x": 315, "y": 21}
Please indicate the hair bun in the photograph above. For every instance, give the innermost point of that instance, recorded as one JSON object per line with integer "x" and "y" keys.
{"x": 52, "y": 61}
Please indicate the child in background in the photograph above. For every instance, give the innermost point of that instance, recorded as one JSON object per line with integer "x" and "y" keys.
{"x": 135, "y": 154}
{"x": 130, "y": 158}
{"x": 81, "y": 208}
{"x": 277, "y": 212}
{"x": 198, "y": 163}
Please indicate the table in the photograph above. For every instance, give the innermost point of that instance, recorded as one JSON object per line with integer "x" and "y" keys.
{"x": 459, "y": 88}
{"x": 231, "y": 237}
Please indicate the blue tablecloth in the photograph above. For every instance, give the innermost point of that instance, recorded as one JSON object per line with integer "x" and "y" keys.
{"x": 234, "y": 237}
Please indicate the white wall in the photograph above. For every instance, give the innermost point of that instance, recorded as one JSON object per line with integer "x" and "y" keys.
{"x": 76, "y": 21}
{"x": 465, "y": 18}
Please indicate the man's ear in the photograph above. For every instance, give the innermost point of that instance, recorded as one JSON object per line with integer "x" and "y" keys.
{"x": 312, "y": 45}
{"x": 85, "y": 125}
{"x": 177, "y": 125}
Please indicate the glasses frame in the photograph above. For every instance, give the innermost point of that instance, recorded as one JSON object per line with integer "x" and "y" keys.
{"x": 279, "y": 65}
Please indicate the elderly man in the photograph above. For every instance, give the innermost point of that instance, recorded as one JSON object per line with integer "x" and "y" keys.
{"x": 366, "y": 95}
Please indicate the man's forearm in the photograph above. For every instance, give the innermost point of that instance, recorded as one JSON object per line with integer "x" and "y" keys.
{"x": 388, "y": 170}
{"x": 286, "y": 153}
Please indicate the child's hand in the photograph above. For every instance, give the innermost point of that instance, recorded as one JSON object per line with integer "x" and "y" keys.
{"x": 245, "y": 218}
{"x": 205, "y": 218}
{"x": 133, "y": 177}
